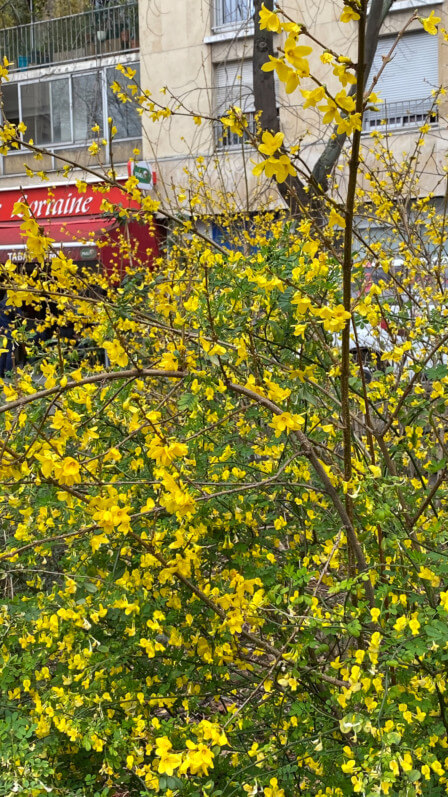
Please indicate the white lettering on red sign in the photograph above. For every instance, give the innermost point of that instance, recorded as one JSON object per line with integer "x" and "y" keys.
{"x": 72, "y": 205}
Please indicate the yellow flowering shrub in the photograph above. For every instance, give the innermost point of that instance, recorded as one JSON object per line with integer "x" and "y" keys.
{"x": 224, "y": 520}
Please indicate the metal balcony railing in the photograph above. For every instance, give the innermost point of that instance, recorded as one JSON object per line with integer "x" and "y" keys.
{"x": 399, "y": 115}
{"x": 102, "y": 31}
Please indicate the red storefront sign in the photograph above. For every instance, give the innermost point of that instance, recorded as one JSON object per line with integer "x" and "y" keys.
{"x": 76, "y": 222}
{"x": 62, "y": 201}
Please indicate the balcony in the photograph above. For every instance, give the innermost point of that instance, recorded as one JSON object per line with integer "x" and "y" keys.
{"x": 401, "y": 115}
{"x": 103, "y": 31}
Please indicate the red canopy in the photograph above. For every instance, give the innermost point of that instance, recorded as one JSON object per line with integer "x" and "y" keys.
{"x": 79, "y": 236}
{"x": 75, "y": 223}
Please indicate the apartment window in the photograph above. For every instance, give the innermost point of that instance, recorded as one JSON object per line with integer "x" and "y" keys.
{"x": 87, "y": 105}
{"x": 36, "y": 111}
{"x": 64, "y": 110}
{"x": 10, "y": 98}
{"x": 232, "y": 12}
{"x": 60, "y": 120}
{"x": 126, "y": 120}
{"x": 406, "y": 83}
{"x": 233, "y": 87}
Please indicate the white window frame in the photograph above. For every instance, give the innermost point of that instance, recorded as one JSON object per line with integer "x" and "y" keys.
{"x": 402, "y": 5}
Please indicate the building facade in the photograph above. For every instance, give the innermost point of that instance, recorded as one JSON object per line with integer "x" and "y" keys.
{"x": 59, "y": 87}
{"x": 198, "y": 62}
{"x": 205, "y": 61}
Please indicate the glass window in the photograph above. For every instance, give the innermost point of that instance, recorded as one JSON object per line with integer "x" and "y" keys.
{"x": 10, "y": 99}
{"x": 36, "y": 111}
{"x": 233, "y": 87}
{"x": 406, "y": 83}
{"x": 87, "y": 106}
{"x": 231, "y": 12}
{"x": 65, "y": 109}
{"x": 123, "y": 114}
{"x": 60, "y": 111}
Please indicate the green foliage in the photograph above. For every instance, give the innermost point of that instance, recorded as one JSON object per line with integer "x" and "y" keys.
{"x": 184, "y": 610}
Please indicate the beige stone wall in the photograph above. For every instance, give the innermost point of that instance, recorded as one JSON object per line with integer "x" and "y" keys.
{"x": 179, "y": 50}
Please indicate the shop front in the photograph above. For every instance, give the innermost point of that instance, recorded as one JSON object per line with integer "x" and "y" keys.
{"x": 75, "y": 222}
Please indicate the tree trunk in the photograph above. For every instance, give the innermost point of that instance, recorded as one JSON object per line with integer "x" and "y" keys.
{"x": 264, "y": 83}
{"x": 293, "y": 190}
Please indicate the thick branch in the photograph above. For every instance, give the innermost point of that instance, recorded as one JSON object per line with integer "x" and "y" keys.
{"x": 308, "y": 451}
{"x": 330, "y": 156}
{"x": 106, "y": 376}
{"x": 292, "y": 190}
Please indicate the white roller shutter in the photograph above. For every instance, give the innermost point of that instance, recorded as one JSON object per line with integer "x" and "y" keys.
{"x": 413, "y": 70}
{"x": 234, "y": 86}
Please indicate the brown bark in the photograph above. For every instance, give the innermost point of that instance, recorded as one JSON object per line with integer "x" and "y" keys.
{"x": 293, "y": 191}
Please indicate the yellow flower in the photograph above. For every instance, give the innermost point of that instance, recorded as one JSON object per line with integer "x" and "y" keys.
{"x": 97, "y": 541}
{"x": 178, "y": 502}
{"x": 116, "y": 353}
{"x": 414, "y": 624}
{"x": 270, "y": 143}
{"x": 235, "y": 120}
{"x": 334, "y": 318}
{"x": 401, "y": 623}
{"x": 344, "y": 101}
{"x": 286, "y": 422}
{"x": 37, "y": 243}
{"x": 313, "y": 96}
{"x": 438, "y": 390}
{"x": 198, "y": 759}
{"x": 330, "y": 111}
{"x": 426, "y": 772}
{"x": 349, "y": 14}
{"x": 169, "y": 763}
{"x": 96, "y": 742}
{"x": 165, "y": 453}
{"x": 67, "y": 471}
{"x": 430, "y": 23}
{"x": 335, "y": 218}
{"x": 269, "y": 20}
{"x": 273, "y": 789}
{"x": 437, "y": 768}
{"x": 406, "y": 762}
{"x": 295, "y": 56}
{"x": 279, "y": 168}
{"x": 285, "y": 73}
{"x": 326, "y": 57}
{"x": 112, "y": 517}
{"x": 427, "y": 574}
